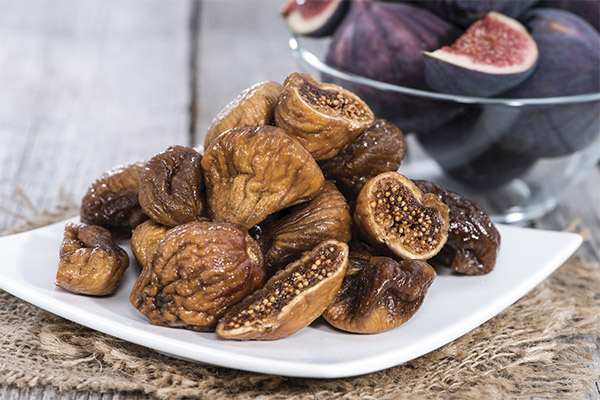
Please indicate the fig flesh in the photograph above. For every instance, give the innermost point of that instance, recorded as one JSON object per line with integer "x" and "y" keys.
{"x": 494, "y": 55}
{"x": 315, "y": 18}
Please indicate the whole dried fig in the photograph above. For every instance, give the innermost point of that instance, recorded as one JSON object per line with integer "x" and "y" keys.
{"x": 145, "y": 238}
{"x": 254, "y": 106}
{"x": 112, "y": 200}
{"x": 291, "y": 299}
{"x": 322, "y": 116}
{"x": 196, "y": 273}
{"x": 383, "y": 295}
{"x": 392, "y": 211}
{"x": 473, "y": 240}
{"x": 252, "y": 172}
{"x": 380, "y": 148}
{"x": 171, "y": 187}
{"x": 90, "y": 262}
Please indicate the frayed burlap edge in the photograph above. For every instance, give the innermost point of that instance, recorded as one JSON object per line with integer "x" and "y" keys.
{"x": 540, "y": 347}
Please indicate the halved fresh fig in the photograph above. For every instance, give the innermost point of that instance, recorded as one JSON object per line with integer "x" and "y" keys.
{"x": 494, "y": 55}
{"x": 316, "y": 18}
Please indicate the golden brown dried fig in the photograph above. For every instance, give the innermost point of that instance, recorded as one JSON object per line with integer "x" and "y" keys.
{"x": 291, "y": 299}
{"x": 392, "y": 211}
{"x": 252, "y": 172}
{"x": 383, "y": 295}
{"x": 112, "y": 200}
{"x": 90, "y": 262}
{"x": 254, "y": 106}
{"x": 145, "y": 238}
{"x": 196, "y": 273}
{"x": 171, "y": 187}
{"x": 324, "y": 117}
{"x": 380, "y": 148}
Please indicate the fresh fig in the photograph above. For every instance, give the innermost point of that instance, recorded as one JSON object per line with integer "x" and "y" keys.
{"x": 586, "y": 9}
{"x": 316, "y": 18}
{"x": 494, "y": 55}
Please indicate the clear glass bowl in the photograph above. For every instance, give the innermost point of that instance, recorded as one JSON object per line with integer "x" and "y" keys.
{"x": 514, "y": 157}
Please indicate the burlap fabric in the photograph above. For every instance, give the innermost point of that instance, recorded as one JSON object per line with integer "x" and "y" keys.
{"x": 540, "y": 347}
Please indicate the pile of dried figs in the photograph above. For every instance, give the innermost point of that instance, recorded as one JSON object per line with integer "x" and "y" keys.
{"x": 293, "y": 210}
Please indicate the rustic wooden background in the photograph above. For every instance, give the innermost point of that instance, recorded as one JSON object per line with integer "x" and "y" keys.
{"x": 86, "y": 85}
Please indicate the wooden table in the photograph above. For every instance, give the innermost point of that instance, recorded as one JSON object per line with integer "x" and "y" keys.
{"x": 86, "y": 85}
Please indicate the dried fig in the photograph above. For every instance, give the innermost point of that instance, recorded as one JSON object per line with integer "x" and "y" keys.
{"x": 90, "y": 262}
{"x": 380, "y": 148}
{"x": 145, "y": 238}
{"x": 254, "y": 106}
{"x": 252, "y": 172}
{"x": 392, "y": 211}
{"x": 196, "y": 273}
{"x": 171, "y": 187}
{"x": 291, "y": 299}
{"x": 473, "y": 240}
{"x": 112, "y": 200}
{"x": 322, "y": 116}
{"x": 383, "y": 295}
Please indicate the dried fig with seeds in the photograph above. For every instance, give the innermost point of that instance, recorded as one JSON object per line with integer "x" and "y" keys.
{"x": 383, "y": 295}
{"x": 324, "y": 117}
{"x": 145, "y": 238}
{"x": 473, "y": 240}
{"x": 112, "y": 200}
{"x": 291, "y": 299}
{"x": 90, "y": 261}
{"x": 171, "y": 187}
{"x": 252, "y": 172}
{"x": 392, "y": 211}
{"x": 380, "y": 148}
{"x": 196, "y": 273}
{"x": 254, "y": 106}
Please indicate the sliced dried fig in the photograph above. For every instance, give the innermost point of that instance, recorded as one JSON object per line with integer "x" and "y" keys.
{"x": 380, "y": 148}
{"x": 90, "y": 262}
{"x": 171, "y": 187}
{"x": 324, "y": 117}
{"x": 291, "y": 299}
{"x": 252, "y": 172}
{"x": 145, "y": 238}
{"x": 196, "y": 273}
{"x": 254, "y": 106}
{"x": 392, "y": 211}
{"x": 383, "y": 295}
{"x": 473, "y": 240}
{"x": 112, "y": 200}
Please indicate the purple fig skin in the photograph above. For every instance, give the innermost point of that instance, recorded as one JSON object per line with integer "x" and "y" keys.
{"x": 314, "y": 18}
{"x": 586, "y": 9}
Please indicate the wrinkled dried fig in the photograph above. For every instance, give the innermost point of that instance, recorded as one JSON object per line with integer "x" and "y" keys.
{"x": 324, "y": 117}
{"x": 392, "y": 211}
{"x": 196, "y": 272}
{"x": 90, "y": 262}
{"x": 252, "y": 172}
{"x": 380, "y": 148}
{"x": 254, "y": 106}
{"x": 112, "y": 200}
{"x": 291, "y": 299}
{"x": 145, "y": 238}
{"x": 171, "y": 187}
{"x": 383, "y": 295}
{"x": 473, "y": 240}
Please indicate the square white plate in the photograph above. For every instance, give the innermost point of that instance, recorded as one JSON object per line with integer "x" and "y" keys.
{"x": 454, "y": 306}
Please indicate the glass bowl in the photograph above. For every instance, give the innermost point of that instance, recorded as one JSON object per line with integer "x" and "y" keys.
{"x": 514, "y": 157}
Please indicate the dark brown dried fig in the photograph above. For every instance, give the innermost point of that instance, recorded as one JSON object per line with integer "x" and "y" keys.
{"x": 145, "y": 238}
{"x": 380, "y": 148}
{"x": 383, "y": 295}
{"x": 252, "y": 172}
{"x": 171, "y": 187}
{"x": 112, "y": 200}
{"x": 196, "y": 273}
{"x": 324, "y": 117}
{"x": 254, "y": 106}
{"x": 90, "y": 262}
{"x": 392, "y": 211}
{"x": 473, "y": 240}
{"x": 291, "y": 299}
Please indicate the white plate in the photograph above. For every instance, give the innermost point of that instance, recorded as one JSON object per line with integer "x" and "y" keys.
{"x": 454, "y": 306}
